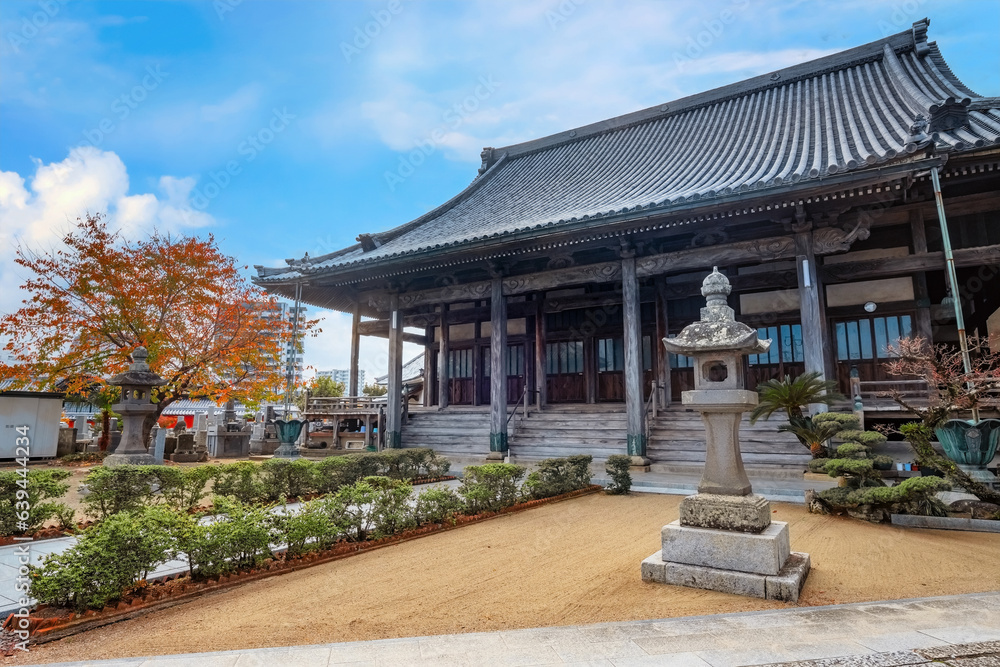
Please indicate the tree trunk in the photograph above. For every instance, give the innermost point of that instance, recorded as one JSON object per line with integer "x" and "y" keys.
{"x": 153, "y": 417}
{"x": 105, "y": 440}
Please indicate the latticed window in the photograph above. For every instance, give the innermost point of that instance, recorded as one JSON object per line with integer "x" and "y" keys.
{"x": 786, "y": 345}
{"x": 870, "y": 338}
{"x": 460, "y": 363}
{"x": 564, "y": 357}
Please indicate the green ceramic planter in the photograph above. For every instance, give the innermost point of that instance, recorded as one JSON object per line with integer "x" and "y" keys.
{"x": 970, "y": 443}
{"x": 289, "y": 431}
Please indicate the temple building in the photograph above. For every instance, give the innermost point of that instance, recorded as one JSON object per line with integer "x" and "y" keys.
{"x": 551, "y": 278}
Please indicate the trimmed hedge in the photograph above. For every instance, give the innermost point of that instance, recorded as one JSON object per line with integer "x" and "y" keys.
{"x": 116, "y": 555}
{"x": 130, "y": 488}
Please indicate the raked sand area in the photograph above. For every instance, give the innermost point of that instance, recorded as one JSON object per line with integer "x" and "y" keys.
{"x": 574, "y": 562}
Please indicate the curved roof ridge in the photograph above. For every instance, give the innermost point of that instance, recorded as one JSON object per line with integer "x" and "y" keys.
{"x": 395, "y": 232}
{"x": 899, "y": 42}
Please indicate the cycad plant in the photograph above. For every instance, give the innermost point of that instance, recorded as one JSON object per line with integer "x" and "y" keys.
{"x": 812, "y": 434}
{"x": 791, "y": 396}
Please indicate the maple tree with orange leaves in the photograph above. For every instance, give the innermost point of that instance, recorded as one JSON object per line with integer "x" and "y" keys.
{"x": 209, "y": 332}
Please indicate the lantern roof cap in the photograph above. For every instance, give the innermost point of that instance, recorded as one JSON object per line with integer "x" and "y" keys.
{"x": 138, "y": 373}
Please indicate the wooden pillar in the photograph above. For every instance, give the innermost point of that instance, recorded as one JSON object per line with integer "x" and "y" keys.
{"x": 634, "y": 404}
{"x": 429, "y": 348}
{"x": 662, "y": 331}
{"x": 477, "y": 363}
{"x": 923, "y": 326}
{"x": 394, "y": 397}
{"x": 444, "y": 380}
{"x": 810, "y": 306}
{"x": 541, "y": 377}
{"x": 498, "y": 371}
{"x": 353, "y": 389}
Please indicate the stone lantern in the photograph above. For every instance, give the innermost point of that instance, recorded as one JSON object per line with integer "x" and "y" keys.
{"x": 136, "y": 384}
{"x": 725, "y": 539}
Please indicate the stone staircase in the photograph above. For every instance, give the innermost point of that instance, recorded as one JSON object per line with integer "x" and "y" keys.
{"x": 676, "y": 438}
{"x": 677, "y": 444}
{"x": 458, "y": 432}
{"x": 565, "y": 430}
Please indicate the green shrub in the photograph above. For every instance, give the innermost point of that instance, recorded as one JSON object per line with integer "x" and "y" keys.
{"x": 282, "y": 479}
{"x": 238, "y": 538}
{"x": 617, "y": 467}
{"x": 334, "y": 472}
{"x": 916, "y": 495}
{"x": 860, "y": 469}
{"x": 851, "y": 450}
{"x": 370, "y": 464}
{"x": 390, "y": 508}
{"x": 557, "y": 476}
{"x": 241, "y": 480}
{"x": 491, "y": 487}
{"x": 818, "y": 465}
{"x": 437, "y": 505}
{"x": 436, "y": 466}
{"x": 844, "y": 419}
{"x": 882, "y": 462}
{"x": 107, "y": 560}
{"x": 24, "y": 505}
{"x": 121, "y": 489}
{"x": 313, "y": 527}
{"x": 866, "y": 438}
{"x": 352, "y": 504}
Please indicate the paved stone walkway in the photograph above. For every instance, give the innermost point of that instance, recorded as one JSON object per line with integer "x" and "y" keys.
{"x": 875, "y": 634}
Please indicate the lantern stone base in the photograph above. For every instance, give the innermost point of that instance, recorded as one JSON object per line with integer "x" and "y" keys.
{"x": 753, "y": 564}
{"x": 748, "y": 514}
{"x": 785, "y": 585}
{"x": 137, "y": 459}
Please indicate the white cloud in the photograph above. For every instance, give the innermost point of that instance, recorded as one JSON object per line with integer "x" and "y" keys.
{"x": 245, "y": 99}
{"x": 39, "y": 212}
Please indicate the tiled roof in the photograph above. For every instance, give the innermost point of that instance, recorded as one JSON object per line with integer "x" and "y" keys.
{"x": 412, "y": 370}
{"x": 842, "y": 113}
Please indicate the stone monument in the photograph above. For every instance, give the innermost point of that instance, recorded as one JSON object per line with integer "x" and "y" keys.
{"x": 725, "y": 539}
{"x": 185, "y": 452}
{"x": 135, "y": 405}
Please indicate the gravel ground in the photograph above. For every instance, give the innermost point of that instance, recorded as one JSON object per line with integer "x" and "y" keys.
{"x": 573, "y": 562}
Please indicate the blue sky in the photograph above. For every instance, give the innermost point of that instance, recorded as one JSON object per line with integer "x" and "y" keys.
{"x": 289, "y": 127}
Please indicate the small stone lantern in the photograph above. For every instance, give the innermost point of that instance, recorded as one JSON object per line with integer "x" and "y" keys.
{"x": 136, "y": 384}
{"x": 724, "y": 539}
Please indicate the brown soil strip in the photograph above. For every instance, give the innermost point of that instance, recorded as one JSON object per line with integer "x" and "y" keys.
{"x": 567, "y": 563}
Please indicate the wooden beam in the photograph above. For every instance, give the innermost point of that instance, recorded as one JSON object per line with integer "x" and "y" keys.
{"x": 896, "y": 266}
{"x": 380, "y": 329}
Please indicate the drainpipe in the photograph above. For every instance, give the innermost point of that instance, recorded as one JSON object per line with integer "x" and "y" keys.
{"x": 295, "y": 332}
{"x": 953, "y": 282}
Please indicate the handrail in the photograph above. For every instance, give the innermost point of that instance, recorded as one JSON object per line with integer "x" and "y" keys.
{"x": 648, "y": 407}
{"x": 522, "y": 399}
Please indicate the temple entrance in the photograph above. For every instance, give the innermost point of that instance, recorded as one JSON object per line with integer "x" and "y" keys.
{"x": 461, "y": 385}
{"x": 863, "y": 344}
{"x": 515, "y": 373}
{"x": 564, "y": 373}
{"x": 611, "y": 370}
